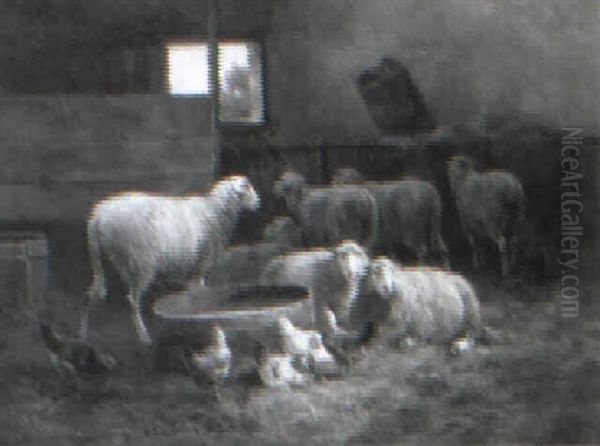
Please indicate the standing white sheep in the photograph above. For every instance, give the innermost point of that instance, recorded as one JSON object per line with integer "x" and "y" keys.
{"x": 410, "y": 213}
{"x": 430, "y": 305}
{"x": 490, "y": 205}
{"x": 329, "y": 215}
{"x": 146, "y": 237}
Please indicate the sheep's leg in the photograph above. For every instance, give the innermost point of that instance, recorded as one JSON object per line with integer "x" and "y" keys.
{"x": 422, "y": 254}
{"x": 140, "y": 326}
{"x": 442, "y": 251}
{"x": 503, "y": 251}
{"x": 445, "y": 258}
{"x": 97, "y": 289}
{"x": 85, "y": 317}
{"x": 135, "y": 296}
{"x": 439, "y": 250}
{"x": 513, "y": 250}
{"x": 474, "y": 252}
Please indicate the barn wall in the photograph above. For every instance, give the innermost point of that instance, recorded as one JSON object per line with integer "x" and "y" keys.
{"x": 59, "y": 152}
{"x": 527, "y": 65}
{"x": 470, "y": 59}
{"x": 62, "y": 153}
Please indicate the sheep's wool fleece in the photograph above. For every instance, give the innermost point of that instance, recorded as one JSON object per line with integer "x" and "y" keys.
{"x": 166, "y": 230}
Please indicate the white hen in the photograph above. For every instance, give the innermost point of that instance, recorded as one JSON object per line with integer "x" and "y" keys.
{"x": 279, "y": 369}
{"x": 213, "y": 363}
{"x": 297, "y": 341}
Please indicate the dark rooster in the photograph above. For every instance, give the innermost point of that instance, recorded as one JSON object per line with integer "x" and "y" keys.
{"x": 75, "y": 357}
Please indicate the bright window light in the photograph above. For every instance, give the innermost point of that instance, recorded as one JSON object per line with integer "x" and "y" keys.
{"x": 188, "y": 69}
{"x": 240, "y": 81}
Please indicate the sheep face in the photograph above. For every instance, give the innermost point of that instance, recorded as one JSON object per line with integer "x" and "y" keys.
{"x": 377, "y": 294}
{"x": 381, "y": 278}
{"x": 239, "y": 186}
{"x": 458, "y": 167}
{"x": 290, "y": 186}
{"x": 352, "y": 259}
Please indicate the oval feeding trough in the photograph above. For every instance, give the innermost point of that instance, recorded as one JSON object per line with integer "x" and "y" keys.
{"x": 237, "y": 308}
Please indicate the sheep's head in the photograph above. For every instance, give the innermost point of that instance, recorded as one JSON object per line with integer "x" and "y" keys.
{"x": 352, "y": 259}
{"x": 374, "y": 302}
{"x": 347, "y": 175}
{"x": 458, "y": 167}
{"x": 381, "y": 278}
{"x": 290, "y": 187}
{"x": 239, "y": 187}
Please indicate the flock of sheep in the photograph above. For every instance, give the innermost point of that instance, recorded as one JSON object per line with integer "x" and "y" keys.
{"x": 332, "y": 243}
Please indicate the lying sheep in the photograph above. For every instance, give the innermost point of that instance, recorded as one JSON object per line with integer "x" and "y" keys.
{"x": 240, "y": 265}
{"x": 430, "y": 305}
{"x": 146, "y": 237}
{"x": 491, "y": 205}
{"x": 331, "y": 276}
{"x": 329, "y": 215}
{"x": 410, "y": 214}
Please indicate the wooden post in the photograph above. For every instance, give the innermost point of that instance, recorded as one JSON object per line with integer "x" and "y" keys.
{"x": 213, "y": 48}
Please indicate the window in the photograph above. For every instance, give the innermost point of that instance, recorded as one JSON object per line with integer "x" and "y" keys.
{"x": 187, "y": 68}
{"x": 240, "y": 82}
{"x": 240, "y": 77}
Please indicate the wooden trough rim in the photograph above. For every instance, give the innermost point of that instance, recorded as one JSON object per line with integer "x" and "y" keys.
{"x": 278, "y": 306}
{"x": 229, "y": 314}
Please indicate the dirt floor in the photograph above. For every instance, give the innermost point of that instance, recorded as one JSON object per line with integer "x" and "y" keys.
{"x": 539, "y": 383}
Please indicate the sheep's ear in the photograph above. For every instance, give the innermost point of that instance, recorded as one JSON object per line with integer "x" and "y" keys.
{"x": 241, "y": 184}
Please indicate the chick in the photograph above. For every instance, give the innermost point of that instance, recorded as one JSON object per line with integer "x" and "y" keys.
{"x": 321, "y": 363}
{"x": 279, "y": 369}
{"x": 296, "y": 341}
{"x": 461, "y": 346}
{"x": 339, "y": 341}
{"x": 212, "y": 364}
